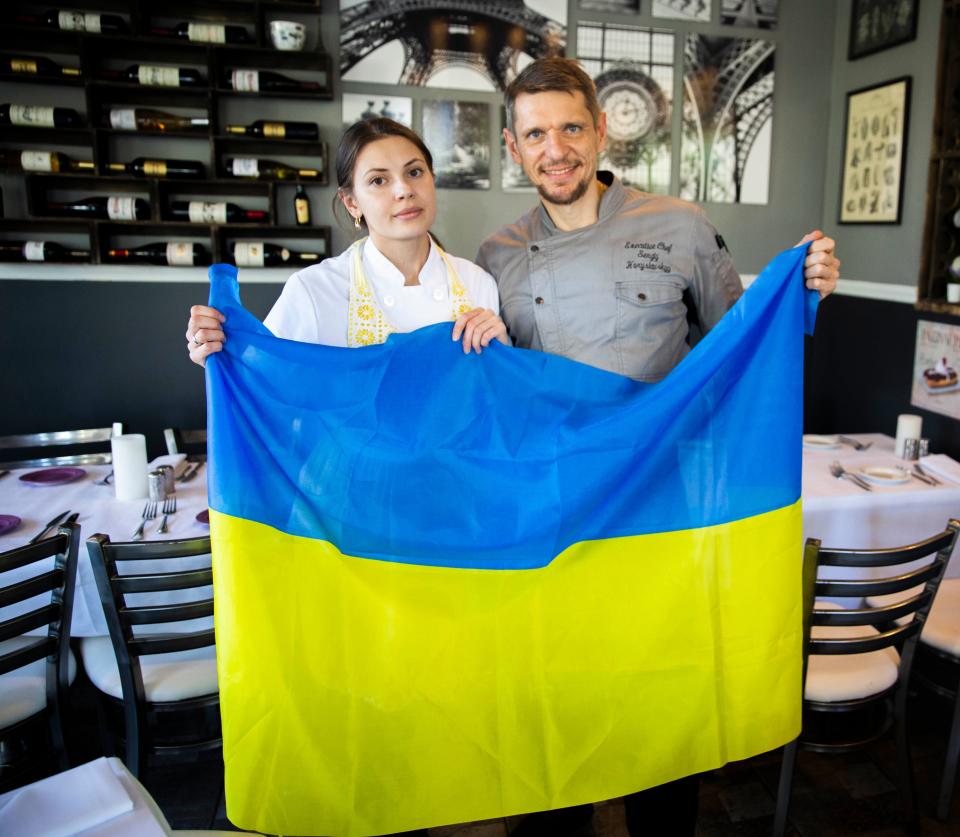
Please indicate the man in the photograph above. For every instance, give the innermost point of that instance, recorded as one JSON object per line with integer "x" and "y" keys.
{"x": 613, "y": 277}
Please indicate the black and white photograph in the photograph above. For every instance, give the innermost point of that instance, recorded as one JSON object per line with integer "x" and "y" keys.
{"x": 357, "y": 106}
{"x": 727, "y": 119}
{"x": 873, "y": 154}
{"x": 756, "y": 14}
{"x": 698, "y": 10}
{"x": 622, "y": 6}
{"x": 512, "y": 176}
{"x": 425, "y": 43}
{"x": 633, "y": 70}
{"x": 876, "y": 25}
{"x": 458, "y": 136}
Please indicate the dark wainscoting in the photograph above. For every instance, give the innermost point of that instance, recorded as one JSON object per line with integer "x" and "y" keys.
{"x": 859, "y": 369}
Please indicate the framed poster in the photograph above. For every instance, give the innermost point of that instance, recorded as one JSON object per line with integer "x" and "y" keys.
{"x": 880, "y": 24}
{"x": 458, "y": 136}
{"x": 875, "y": 139}
{"x": 357, "y": 106}
{"x": 935, "y": 379}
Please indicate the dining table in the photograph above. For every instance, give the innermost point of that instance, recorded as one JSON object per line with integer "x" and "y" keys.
{"x": 99, "y": 512}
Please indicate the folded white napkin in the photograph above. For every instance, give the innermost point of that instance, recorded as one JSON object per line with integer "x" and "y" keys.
{"x": 173, "y": 459}
{"x": 942, "y": 465}
{"x": 66, "y": 803}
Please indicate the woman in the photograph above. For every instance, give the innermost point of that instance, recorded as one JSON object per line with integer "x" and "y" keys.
{"x": 395, "y": 279}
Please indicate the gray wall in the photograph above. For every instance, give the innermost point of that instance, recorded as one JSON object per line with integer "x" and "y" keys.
{"x": 884, "y": 253}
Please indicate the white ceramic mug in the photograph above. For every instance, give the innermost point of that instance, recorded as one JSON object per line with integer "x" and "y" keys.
{"x": 288, "y": 34}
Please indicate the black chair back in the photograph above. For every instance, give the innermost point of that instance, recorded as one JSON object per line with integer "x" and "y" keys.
{"x": 86, "y": 447}
{"x": 191, "y": 442}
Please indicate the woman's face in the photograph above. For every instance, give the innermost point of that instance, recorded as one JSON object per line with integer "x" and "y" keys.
{"x": 393, "y": 189}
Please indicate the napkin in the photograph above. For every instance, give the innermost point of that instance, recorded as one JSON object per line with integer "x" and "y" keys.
{"x": 175, "y": 460}
{"x": 942, "y": 465}
{"x": 66, "y": 803}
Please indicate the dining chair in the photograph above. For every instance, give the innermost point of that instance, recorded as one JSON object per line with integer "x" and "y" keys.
{"x": 855, "y": 675}
{"x": 36, "y": 669}
{"x": 160, "y": 676}
{"x": 86, "y": 447}
{"x": 191, "y": 442}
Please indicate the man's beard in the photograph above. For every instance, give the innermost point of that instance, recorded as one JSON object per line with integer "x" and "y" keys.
{"x": 565, "y": 199}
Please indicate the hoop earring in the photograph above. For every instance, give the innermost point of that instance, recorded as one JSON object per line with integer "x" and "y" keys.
{"x": 356, "y": 221}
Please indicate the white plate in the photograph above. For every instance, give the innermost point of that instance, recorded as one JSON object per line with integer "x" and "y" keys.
{"x": 885, "y": 474}
{"x": 821, "y": 442}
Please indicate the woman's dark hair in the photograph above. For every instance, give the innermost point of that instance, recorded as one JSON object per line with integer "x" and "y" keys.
{"x": 358, "y": 136}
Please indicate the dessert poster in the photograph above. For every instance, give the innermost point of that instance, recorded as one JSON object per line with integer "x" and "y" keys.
{"x": 935, "y": 368}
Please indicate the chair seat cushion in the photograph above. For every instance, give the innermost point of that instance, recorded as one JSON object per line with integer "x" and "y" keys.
{"x": 837, "y": 677}
{"x": 23, "y": 692}
{"x": 180, "y": 675}
{"x": 942, "y": 629}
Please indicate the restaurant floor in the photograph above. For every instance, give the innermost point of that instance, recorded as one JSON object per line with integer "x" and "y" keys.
{"x": 833, "y": 796}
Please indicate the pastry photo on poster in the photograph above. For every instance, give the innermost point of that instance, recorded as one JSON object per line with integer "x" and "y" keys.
{"x": 935, "y": 378}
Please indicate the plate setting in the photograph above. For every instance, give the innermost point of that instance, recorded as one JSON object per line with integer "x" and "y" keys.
{"x": 8, "y": 522}
{"x": 815, "y": 442}
{"x": 884, "y": 474}
{"x": 53, "y": 476}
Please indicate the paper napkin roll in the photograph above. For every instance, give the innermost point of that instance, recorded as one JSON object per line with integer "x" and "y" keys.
{"x": 908, "y": 427}
{"x": 129, "y": 466}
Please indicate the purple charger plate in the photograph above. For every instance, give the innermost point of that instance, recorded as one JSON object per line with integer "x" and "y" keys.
{"x": 53, "y": 476}
{"x": 204, "y": 517}
{"x": 8, "y": 522}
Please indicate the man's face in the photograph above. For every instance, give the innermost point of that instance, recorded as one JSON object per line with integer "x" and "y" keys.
{"x": 556, "y": 142}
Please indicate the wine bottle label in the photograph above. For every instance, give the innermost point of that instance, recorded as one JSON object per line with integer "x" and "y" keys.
{"x": 123, "y": 119}
{"x": 207, "y": 33}
{"x": 155, "y": 168}
{"x": 36, "y": 160}
{"x": 79, "y": 21}
{"x": 179, "y": 253}
{"x": 245, "y": 167}
{"x": 302, "y": 208}
{"x": 33, "y": 251}
{"x": 149, "y": 74}
{"x": 247, "y": 81}
{"x": 23, "y": 65}
{"x": 31, "y": 115}
{"x": 248, "y": 253}
{"x": 274, "y": 129}
{"x": 121, "y": 208}
{"x": 205, "y": 212}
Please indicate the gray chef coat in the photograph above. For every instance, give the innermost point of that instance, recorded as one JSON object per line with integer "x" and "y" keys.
{"x": 612, "y": 294}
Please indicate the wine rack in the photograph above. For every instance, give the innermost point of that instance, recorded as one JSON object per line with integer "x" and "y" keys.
{"x": 101, "y": 59}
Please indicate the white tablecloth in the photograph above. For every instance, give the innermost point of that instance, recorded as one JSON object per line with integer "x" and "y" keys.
{"x": 100, "y": 512}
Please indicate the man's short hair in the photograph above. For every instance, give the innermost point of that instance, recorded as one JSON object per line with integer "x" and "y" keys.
{"x": 546, "y": 75}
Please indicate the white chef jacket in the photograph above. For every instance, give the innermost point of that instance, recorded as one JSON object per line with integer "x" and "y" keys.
{"x": 313, "y": 305}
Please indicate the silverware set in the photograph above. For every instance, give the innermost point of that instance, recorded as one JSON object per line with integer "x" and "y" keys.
{"x": 64, "y": 517}
{"x": 924, "y": 476}
{"x": 842, "y": 474}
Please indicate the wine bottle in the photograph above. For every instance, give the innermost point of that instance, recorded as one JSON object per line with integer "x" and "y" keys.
{"x": 144, "y": 167}
{"x": 146, "y": 119}
{"x": 206, "y": 33}
{"x": 266, "y": 169}
{"x": 206, "y": 212}
{"x": 263, "y": 254}
{"x": 114, "y": 208}
{"x": 39, "y": 116}
{"x": 70, "y": 20}
{"x": 301, "y": 206}
{"x": 51, "y": 161}
{"x": 265, "y": 81}
{"x": 277, "y": 130}
{"x": 36, "y": 66}
{"x": 157, "y": 75}
{"x": 40, "y": 251}
{"x": 175, "y": 253}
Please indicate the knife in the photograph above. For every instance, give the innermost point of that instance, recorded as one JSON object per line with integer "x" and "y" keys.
{"x": 72, "y": 519}
{"x": 922, "y": 477}
{"x": 917, "y": 469}
{"x": 189, "y": 476}
{"x": 46, "y": 528}
{"x": 189, "y": 471}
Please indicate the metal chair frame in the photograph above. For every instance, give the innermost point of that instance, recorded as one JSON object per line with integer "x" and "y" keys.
{"x": 30, "y": 441}
{"x": 54, "y": 647}
{"x": 140, "y": 714}
{"x": 193, "y": 442}
{"x": 892, "y": 701}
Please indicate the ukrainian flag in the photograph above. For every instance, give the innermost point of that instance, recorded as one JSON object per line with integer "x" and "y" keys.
{"x": 457, "y": 587}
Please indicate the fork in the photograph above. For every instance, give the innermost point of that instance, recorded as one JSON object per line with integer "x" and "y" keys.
{"x": 838, "y": 471}
{"x": 105, "y": 480}
{"x": 169, "y": 507}
{"x": 149, "y": 513}
{"x": 854, "y": 443}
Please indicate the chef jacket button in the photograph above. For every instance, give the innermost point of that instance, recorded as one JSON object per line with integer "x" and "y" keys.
{"x": 534, "y": 248}
{"x": 439, "y": 294}
{"x": 389, "y": 301}
{"x": 641, "y": 296}
{"x": 539, "y": 300}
